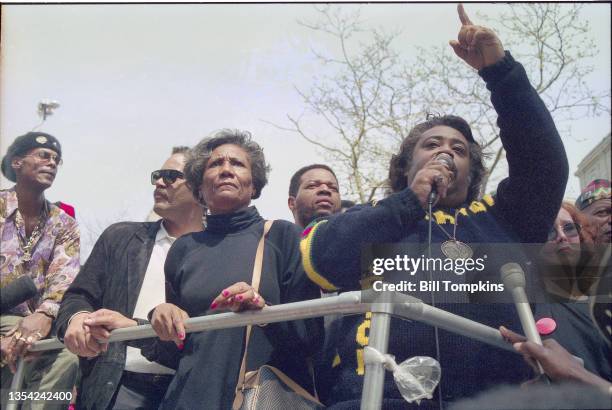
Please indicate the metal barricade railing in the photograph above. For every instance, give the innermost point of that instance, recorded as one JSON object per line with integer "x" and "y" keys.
{"x": 382, "y": 305}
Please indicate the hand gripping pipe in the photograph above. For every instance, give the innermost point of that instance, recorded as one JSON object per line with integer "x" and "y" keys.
{"x": 382, "y": 306}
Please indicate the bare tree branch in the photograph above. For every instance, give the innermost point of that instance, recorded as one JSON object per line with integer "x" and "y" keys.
{"x": 374, "y": 95}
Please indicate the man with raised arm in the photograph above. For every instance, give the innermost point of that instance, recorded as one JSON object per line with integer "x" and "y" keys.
{"x": 441, "y": 153}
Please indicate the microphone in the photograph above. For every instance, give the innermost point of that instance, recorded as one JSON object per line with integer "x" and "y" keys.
{"x": 446, "y": 160}
{"x": 17, "y": 292}
{"x": 513, "y": 277}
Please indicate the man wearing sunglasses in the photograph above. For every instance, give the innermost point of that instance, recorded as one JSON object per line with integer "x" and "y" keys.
{"x": 122, "y": 280}
{"x": 40, "y": 242}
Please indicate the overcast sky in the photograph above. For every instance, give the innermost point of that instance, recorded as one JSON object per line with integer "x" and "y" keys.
{"x": 135, "y": 80}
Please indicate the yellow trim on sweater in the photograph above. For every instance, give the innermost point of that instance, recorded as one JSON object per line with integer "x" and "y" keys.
{"x": 441, "y": 217}
{"x": 306, "y": 249}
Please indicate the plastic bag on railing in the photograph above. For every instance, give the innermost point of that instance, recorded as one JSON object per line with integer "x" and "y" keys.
{"x": 416, "y": 378}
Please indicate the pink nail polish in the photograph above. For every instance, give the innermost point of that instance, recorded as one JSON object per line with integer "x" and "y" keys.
{"x": 225, "y": 293}
{"x": 181, "y": 346}
{"x": 213, "y": 305}
{"x": 256, "y": 300}
{"x": 239, "y": 297}
{"x": 181, "y": 336}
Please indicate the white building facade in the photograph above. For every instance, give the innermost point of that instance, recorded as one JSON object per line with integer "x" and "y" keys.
{"x": 596, "y": 164}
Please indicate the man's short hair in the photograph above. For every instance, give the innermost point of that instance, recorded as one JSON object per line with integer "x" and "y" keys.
{"x": 180, "y": 149}
{"x": 294, "y": 185}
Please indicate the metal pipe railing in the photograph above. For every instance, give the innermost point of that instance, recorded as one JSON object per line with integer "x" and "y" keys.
{"x": 374, "y": 377}
{"x": 382, "y": 305}
{"x": 412, "y": 308}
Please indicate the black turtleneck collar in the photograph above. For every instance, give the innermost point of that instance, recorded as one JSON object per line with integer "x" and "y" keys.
{"x": 233, "y": 222}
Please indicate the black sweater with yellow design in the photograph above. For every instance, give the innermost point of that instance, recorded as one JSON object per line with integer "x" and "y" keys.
{"x": 522, "y": 211}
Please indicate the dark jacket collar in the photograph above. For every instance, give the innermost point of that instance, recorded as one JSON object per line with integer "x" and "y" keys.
{"x": 149, "y": 231}
{"x": 234, "y": 222}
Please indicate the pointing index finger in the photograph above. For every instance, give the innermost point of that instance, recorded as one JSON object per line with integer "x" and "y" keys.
{"x": 465, "y": 20}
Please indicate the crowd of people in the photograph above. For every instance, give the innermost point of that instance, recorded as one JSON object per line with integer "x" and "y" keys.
{"x": 211, "y": 251}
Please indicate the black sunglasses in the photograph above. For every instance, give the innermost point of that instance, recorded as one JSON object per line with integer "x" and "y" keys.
{"x": 168, "y": 175}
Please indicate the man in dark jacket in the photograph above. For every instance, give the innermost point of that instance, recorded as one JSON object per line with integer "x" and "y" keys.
{"x": 123, "y": 279}
{"x": 313, "y": 193}
{"x": 442, "y": 153}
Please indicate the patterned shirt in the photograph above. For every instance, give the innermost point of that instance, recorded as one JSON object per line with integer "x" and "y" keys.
{"x": 54, "y": 257}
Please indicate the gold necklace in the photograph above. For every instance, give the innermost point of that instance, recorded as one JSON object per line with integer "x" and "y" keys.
{"x": 453, "y": 248}
{"x": 36, "y": 233}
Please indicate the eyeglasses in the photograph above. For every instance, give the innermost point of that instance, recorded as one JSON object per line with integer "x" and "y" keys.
{"x": 571, "y": 230}
{"x": 46, "y": 156}
{"x": 168, "y": 175}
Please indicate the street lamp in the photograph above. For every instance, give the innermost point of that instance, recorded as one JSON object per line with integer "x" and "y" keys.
{"x": 46, "y": 107}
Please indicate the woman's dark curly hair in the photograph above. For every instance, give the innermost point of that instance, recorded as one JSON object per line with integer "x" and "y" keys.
{"x": 198, "y": 156}
{"x": 400, "y": 162}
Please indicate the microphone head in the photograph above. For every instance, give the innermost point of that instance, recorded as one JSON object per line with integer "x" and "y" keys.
{"x": 447, "y": 160}
{"x": 512, "y": 276}
{"x": 16, "y": 292}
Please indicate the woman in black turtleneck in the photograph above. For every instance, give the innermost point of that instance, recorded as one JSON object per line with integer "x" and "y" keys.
{"x": 210, "y": 271}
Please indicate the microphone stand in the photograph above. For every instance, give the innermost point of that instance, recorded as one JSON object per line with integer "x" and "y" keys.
{"x": 430, "y": 200}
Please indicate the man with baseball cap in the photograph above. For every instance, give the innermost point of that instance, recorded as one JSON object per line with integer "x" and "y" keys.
{"x": 595, "y": 202}
{"x": 39, "y": 241}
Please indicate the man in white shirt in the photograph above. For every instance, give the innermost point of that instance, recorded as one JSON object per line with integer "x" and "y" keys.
{"x": 122, "y": 280}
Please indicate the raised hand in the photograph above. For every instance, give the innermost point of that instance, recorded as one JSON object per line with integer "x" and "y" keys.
{"x": 476, "y": 45}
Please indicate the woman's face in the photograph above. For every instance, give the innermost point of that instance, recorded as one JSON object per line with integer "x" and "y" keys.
{"x": 227, "y": 183}
{"x": 563, "y": 246}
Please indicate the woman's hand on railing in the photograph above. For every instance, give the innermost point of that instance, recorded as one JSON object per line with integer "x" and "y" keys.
{"x": 79, "y": 338}
{"x": 238, "y": 297}
{"x": 168, "y": 322}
